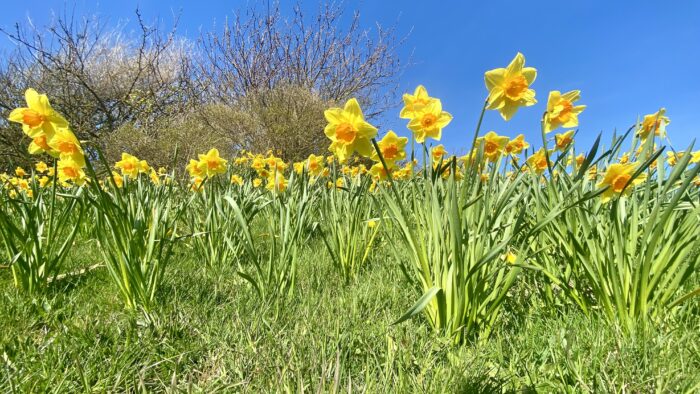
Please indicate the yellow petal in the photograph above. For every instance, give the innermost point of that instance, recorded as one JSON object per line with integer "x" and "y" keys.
{"x": 516, "y": 65}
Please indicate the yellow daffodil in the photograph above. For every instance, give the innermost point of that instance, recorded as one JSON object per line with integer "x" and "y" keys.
{"x": 509, "y": 88}
{"x": 257, "y": 182}
{"x": 197, "y": 185}
{"x": 236, "y": 180}
{"x": 153, "y": 175}
{"x": 258, "y": 163}
{"x": 118, "y": 180}
{"x": 129, "y": 165}
{"x": 43, "y": 181}
{"x": 378, "y": 172}
{"x": 41, "y": 167}
{"x": 414, "y": 103}
{"x": 315, "y": 164}
{"x": 625, "y": 158}
{"x": 275, "y": 164}
{"x": 577, "y": 161}
{"x": 39, "y": 145}
{"x": 70, "y": 171}
{"x": 348, "y": 131}
{"x": 437, "y": 153}
{"x": 144, "y": 167}
{"x": 20, "y": 172}
{"x": 429, "y": 122}
{"x": 655, "y": 123}
{"x": 672, "y": 158}
{"x": 695, "y": 157}
{"x": 392, "y": 148}
{"x": 561, "y": 111}
{"x": 299, "y": 167}
{"x": 38, "y": 118}
{"x": 563, "y": 140}
{"x": 517, "y": 145}
{"x": 617, "y": 180}
{"x": 65, "y": 143}
{"x": 538, "y": 161}
{"x": 212, "y": 163}
{"x": 494, "y": 145}
{"x": 277, "y": 182}
{"x": 509, "y": 257}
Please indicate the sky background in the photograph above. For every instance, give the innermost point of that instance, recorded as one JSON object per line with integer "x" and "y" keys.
{"x": 627, "y": 58}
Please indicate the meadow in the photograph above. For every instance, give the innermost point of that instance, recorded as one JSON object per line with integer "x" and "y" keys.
{"x": 386, "y": 265}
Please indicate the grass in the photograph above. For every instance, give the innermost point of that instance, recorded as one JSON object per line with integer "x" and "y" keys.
{"x": 211, "y": 333}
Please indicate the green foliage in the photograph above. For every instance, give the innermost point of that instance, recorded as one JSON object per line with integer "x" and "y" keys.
{"x": 136, "y": 229}
{"x": 272, "y": 249}
{"x": 348, "y": 226}
{"x": 37, "y": 233}
{"x": 629, "y": 257}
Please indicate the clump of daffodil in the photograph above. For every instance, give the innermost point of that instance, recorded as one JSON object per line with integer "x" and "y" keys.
{"x": 348, "y": 131}
{"x": 50, "y": 133}
{"x": 517, "y": 145}
{"x": 413, "y": 104}
{"x": 392, "y": 148}
{"x": 655, "y": 123}
{"x": 561, "y": 111}
{"x": 429, "y": 122}
{"x": 494, "y": 145}
{"x": 563, "y": 140}
{"x": 618, "y": 180}
{"x": 538, "y": 161}
{"x": 509, "y": 88}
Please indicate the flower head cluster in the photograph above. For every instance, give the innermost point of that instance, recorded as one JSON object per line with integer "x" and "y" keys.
{"x": 51, "y": 134}
{"x": 425, "y": 114}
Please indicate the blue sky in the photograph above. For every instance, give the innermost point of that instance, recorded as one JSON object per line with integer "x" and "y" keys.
{"x": 627, "y": 58}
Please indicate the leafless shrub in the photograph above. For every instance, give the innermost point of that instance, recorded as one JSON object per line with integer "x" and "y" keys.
{"x": 261, "y": 82}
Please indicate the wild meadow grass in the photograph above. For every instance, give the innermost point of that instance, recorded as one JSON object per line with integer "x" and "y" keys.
{"x": 213, "y": 334}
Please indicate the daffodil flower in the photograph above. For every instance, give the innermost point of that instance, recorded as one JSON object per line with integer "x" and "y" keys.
{"x": 561, "y": 111}
{"x": 617, "y": 180}
{"x": 38, "y": 117}
{"x": 509, "y": 88}
{"x": 348, "y": 131}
